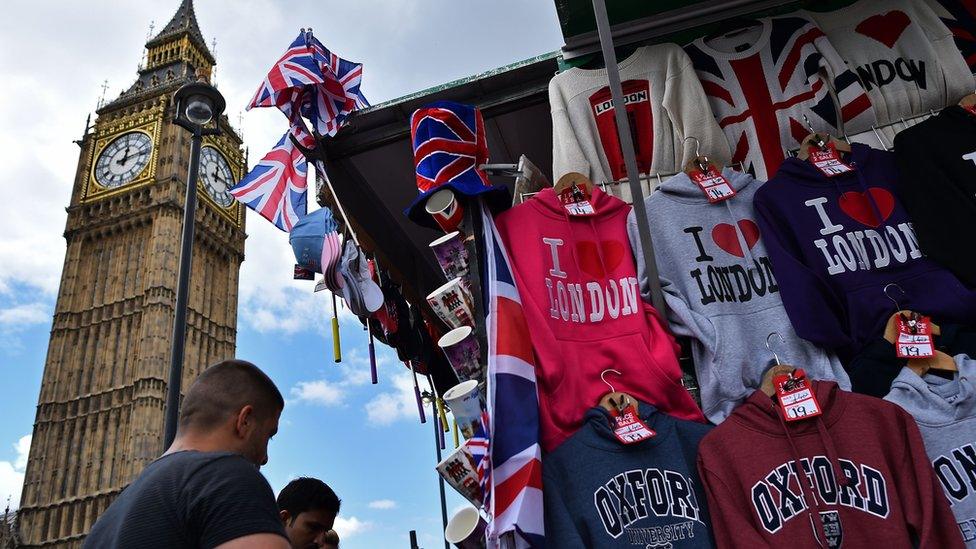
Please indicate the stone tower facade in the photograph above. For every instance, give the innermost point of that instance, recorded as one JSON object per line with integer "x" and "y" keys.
{"x": 100, "y": 412}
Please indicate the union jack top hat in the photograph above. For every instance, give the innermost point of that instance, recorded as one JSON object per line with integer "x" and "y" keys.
{"x": 449, "y": 145}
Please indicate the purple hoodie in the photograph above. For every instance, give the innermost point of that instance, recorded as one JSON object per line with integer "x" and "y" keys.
{"x": 833, "y": 257}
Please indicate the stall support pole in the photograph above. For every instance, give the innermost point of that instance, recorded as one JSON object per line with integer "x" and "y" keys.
{"x": 627, "y": 144}
{"x": 437, "y": 446}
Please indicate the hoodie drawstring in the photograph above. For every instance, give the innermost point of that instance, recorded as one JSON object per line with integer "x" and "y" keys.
{"x": 747, "y": 251}
{"x": 805, "y": 487}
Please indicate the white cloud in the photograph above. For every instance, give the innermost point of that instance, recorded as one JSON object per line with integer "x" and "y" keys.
{"x": 12, "y": 473}
{"x": 25, "y": 314}
{"x": 349, "y": 527}
{"x": 318, "y": 392}
{"x": 383, "y": 504}
{"x": 389, "y": 407}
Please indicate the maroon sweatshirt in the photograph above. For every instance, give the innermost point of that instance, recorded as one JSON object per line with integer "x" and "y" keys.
{"x": 871, "y": 484}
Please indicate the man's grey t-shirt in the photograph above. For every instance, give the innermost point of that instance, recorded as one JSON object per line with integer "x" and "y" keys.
{"x": 189, "y": 499}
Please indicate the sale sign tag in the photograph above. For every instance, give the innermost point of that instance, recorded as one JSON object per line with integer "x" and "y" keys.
{"x": 796, "y": 398}
{"x": 576, "y": 200}
{"x": 628, "y": 427}
{"x": 914, "y": 337}
{"x": 828, "y": 161}
{"x": 713, "y": 184}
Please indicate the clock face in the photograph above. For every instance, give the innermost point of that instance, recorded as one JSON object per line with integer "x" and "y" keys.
{"x": 215, "y": 175}
{"x": 123, "y": 159}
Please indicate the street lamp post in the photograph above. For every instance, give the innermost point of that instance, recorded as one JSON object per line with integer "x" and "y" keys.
{"x": 197, "y": 103}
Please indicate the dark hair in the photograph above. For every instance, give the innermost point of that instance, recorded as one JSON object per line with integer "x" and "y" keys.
{"x": 223, "y": 389}
{"x": 308, "y": 494}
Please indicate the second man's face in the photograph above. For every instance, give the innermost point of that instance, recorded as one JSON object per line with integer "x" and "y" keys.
{"x": 308, "y": 530}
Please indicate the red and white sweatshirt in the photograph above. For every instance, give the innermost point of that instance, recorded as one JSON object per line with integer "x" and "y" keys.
{"x": 665, "y": 104}
{"x": 578, "y": 285}
{"x": 760, "y": 84}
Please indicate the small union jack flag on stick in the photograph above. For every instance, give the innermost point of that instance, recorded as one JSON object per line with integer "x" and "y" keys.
{"x": 276, "y": 187}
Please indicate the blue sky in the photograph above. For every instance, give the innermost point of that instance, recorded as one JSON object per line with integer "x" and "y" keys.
{"x": 364, "y": 440}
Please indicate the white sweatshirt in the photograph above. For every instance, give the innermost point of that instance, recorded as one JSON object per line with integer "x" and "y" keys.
{"x": 902, "y": 53}
{"x": 665, "y": 104}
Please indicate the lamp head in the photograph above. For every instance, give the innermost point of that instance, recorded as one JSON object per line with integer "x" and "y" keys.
{"x": 197, "y": 104}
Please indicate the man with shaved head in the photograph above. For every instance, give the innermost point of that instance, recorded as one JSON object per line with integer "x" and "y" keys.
{"x": 206, "y": 490}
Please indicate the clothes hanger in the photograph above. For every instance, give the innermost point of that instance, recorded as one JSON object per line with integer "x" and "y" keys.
{"x": 571, "y": 179}
{"x": 819, "y": 141}
{"x": 780, "y": 368}
{"x": 940, "y": 361}
{"x": 614, "y": 400}
{"x": 700, "y": 161}
{"x": 968, "y": 101}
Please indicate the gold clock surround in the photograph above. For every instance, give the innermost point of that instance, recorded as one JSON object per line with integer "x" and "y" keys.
{"x": 148, "y": 121}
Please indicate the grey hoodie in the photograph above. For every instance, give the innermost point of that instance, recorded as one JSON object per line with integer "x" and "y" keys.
{"x": 720, "y": 291}
{"x": 945, "y": 411}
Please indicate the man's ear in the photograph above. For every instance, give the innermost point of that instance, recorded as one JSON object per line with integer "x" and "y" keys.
{"x": 245, "y": 420}
{"x": 285, "y": 516}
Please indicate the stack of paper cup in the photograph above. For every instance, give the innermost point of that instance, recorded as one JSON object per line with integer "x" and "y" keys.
{"x": 461, "y": 348}
{"x": 466, "y": 529}
{"x": 466, "y": 404}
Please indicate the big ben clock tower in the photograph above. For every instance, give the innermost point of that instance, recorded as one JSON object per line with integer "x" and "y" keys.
{"x": 100, "y": 411}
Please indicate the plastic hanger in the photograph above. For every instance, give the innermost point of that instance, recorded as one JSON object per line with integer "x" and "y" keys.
{"x": 614, "y": 400}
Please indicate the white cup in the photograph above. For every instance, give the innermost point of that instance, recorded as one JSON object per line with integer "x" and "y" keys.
{"x": 466, "y": 404}
{"x": 453, "y": 304}
{"x": 445, "y": 209}
{"x": 466, "y": 529}
{"x": 461, "y": 348}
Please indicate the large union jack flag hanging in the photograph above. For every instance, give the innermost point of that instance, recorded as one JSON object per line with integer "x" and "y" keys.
{"x": 515, "y": 486}
{"x": 275, "y": 188}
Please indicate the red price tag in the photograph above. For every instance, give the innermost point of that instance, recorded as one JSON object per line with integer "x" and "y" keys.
{"x": 576, "y": 200}
{"x": 828, "y": 161}
{"x": 628, "y": 427}
{"x": 914, "y": 337}
{"x": 796, "y": 398}
{"x": 713, "y": 184}
{"x": 970, "y": 108}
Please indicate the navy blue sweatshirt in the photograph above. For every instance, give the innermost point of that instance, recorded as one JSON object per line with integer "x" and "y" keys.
{"x": 836, "y": 242}
{"x": 601, "y": 493}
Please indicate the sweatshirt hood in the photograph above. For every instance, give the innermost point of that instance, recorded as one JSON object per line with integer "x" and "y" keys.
{"x": 600, "y": 421}
{"x": 935, "y": 400}
{"x": 680, "y": 186}
{"x": 804, "y": 172}
{"x": 760, "y": 413}
{"x": 604, "y": 204}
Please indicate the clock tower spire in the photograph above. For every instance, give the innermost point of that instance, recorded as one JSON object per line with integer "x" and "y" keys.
{"x": 100, "y": 410}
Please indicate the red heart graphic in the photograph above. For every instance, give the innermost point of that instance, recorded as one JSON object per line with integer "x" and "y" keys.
{"x": 885, "y": 28}
{"x": 857, "y": 206}
{"x": 590, "y": 260}
{"x": 724, "y": 236}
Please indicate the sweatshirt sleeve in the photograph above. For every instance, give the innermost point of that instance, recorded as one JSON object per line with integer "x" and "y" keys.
{"x": 560, "y": 527}
{"x": 854, "y": 104}
{"x": 875, "y": 368}
{"x": 816, "y": 312}
{"x": 940, "y": 210}
{"x": 926, "y": 510}
{"x": 732, "y": 525}
{"x": 683, "y": 320}
{"x": 687, "y": 106}
{"x": 958, "y": 78}
{"x": 567, "y": 154}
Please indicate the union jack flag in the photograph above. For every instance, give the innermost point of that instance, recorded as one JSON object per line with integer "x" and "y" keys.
{"x": 311, "y": 81}
{"x": 448, "y": 145}
{"x": 760, "y": 96}
{"x": 514, "y": 490}
{"x": 275, "y": 188}
{"x": 480, "y": 446}
{"x": 960, "y": 17}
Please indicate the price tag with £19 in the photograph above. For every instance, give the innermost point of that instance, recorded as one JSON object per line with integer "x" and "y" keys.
{"x": 628, "y": 427}
{"x": 796, "y": 398}
{"x": 914, "y": 337}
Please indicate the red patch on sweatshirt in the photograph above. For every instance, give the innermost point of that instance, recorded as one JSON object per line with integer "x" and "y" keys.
{"x": 590, "y": 258}
{"x": 724, "y": 236}
{"x": 886, "y": 28}
{"x": 857, "y": 206}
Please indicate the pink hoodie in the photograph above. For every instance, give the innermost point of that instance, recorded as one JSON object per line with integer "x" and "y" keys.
{"x": 585, "y": 314}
